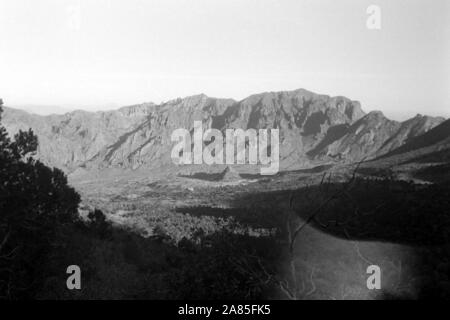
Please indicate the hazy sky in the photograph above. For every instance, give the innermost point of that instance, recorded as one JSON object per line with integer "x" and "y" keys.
{"x": 97, "y": 53}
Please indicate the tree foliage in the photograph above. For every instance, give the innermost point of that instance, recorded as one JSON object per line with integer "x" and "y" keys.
{"x": 35, "y": 202}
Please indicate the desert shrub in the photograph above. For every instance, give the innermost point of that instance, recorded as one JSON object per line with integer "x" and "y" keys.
{"x": 128, "y": 266}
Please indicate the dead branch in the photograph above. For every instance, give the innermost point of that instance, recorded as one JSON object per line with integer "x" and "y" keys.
{"x": 324, "y": 204}
{"x": 5, "y": 239}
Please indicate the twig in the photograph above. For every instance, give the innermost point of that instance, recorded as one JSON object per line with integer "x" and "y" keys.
{"x": 5, "y": 239}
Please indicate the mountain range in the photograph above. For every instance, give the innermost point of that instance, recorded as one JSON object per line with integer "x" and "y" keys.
{"x": 314, "y": 129}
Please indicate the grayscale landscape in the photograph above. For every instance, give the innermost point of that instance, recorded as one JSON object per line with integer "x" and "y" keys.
{"x": 359, "y": 188}
{"x": 244, "y": 150}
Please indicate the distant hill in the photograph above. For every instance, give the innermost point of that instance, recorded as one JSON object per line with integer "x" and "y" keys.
{"x": 437, "y": 135}
{"x": 423, "y": 158}
{"x": 43, "y": 109}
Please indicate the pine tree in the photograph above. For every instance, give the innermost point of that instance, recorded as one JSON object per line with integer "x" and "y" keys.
{"x": 35, "y": 202}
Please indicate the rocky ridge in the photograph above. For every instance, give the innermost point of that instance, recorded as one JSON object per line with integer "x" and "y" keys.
{"x": 314, "y": 128}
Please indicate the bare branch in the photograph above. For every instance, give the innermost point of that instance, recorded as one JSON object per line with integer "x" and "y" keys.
{"x": 5, "y": 239}
{"x": 323, "y": 204}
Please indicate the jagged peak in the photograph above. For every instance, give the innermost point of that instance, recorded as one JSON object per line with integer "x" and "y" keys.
{"x": 273, "y": 94}
{"x": 137, "y": 109}
{"x": 375, "y": 114}
{"x": 192, "y": 98}
{"x": 420, "y": 118}
{"x": 301, "y": 92}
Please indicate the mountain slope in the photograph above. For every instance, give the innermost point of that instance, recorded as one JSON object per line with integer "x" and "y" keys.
{"x": 438, "y": 135}
{"x": 67, "y": 141}
{"x": 409, "y": 130}
{"x": 313, "y": 128}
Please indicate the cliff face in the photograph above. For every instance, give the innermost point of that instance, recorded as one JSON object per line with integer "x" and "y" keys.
{"x": 313, "y": 128}
{"x": 68, "y": 141}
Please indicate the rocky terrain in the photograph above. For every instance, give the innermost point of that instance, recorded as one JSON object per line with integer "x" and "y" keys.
{"x": 314, "y": 129}
{"x": 120, "y": 159}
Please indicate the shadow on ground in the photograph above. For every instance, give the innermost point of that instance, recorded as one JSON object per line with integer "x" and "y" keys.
{"x": 402, "y": 227}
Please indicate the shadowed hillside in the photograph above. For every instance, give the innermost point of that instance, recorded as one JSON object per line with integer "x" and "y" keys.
{"x": 439, "y": 134}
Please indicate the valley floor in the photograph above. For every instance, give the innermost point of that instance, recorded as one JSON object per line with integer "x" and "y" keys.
{"x": 370, "y": 222}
